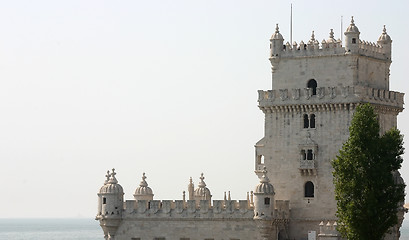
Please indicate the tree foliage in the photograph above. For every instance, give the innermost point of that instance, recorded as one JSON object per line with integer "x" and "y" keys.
{"x": 367, "y": 196}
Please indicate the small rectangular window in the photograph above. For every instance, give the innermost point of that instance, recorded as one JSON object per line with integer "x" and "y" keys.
{"x": 104, "y": 201}
{"x": 267, "y": 201}
{"x": 309, "y": 154}
{"x": 353, "y": 40}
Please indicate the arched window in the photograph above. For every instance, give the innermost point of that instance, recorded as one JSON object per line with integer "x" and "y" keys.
{"x": 306, "y": 121}
{"x": 312, "y": 121}
{"x": 309, "y": 189}
{"x": 312, "y": 84}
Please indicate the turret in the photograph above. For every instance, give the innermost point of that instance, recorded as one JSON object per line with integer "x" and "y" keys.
{"x": 352, "y": 38}
{"x": 276, "y": 44}
{"x": 110, "y": 205}
{"x": 202, "y": 192}
{"x": 264, "y": 198}
{"x": 143, "y": 192}
{"x": 111, "y": 197}
{"x": 386, "y": 42}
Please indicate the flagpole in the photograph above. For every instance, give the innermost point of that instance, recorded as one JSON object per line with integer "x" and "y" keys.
{"x": 291, "y": 24}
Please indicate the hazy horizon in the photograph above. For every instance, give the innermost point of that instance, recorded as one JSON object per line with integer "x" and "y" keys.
{"x": 168, "y": 88}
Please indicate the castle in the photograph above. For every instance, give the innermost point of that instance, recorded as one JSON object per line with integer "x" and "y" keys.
{"x": 315, "y": 89}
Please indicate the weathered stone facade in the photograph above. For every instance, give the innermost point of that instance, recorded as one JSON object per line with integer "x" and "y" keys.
{"x": 315, "y": 89}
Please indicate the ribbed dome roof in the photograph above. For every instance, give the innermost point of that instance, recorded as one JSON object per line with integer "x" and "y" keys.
{"x": 143, "y": 188}
{"x": 111, "y": 184}
{"x": 264, "y": 187}
{"x": 384, "y": 36}
{"x": 277, "y": 34}
{"x": 202, "y": 190}
{"x": 352, "y": 27}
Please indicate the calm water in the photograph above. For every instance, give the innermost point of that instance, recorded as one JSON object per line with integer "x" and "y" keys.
{"x": 50, "y": 229}
{"x": 71, "y": 229}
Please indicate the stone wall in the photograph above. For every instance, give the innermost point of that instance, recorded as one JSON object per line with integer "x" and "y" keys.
{"x": 192, "y": 229}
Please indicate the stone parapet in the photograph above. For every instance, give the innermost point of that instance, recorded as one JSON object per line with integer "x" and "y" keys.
{"x": 374, "y": 50}
{"x": 311, "y": 50}
{"x": 188, "y": 209}
{"x": 326, "y": 97}
{"x": 295, "y": 50}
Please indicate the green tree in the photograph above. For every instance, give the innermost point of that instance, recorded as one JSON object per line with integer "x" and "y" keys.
{"x": 367, "y": 196}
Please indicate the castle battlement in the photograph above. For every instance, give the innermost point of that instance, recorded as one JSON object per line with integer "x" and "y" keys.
{"x": 311, "y": 49}
{"x": 329, "y": 95}
{"x": 380, "y": 50}
{"x": 330, "y": 48}
{"x": 190, "y": 209}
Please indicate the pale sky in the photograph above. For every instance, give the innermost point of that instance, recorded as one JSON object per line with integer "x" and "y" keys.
{"x": 163, "y": 87}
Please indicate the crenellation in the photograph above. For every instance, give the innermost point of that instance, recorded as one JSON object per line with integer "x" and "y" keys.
{"x": 157, "y": 208}
{"x": 329, "y": 48}
{"x": 369, "y": 49}
{"x": 130, "y": 206}
{"x": 338, "y": 95}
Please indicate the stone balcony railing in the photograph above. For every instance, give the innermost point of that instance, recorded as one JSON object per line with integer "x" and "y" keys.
{"x": 308, "y": 167}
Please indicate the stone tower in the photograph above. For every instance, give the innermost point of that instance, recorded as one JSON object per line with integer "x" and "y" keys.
{"x": 315, "y": 89}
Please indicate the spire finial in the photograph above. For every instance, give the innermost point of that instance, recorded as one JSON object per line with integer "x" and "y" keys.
{"x": 202, "y": 184}
{"x": 313, "y": 36}
{"x": 143, "y": 182}
{"x": 112, "y": 179}
{"x": 107, "y": 177}
{"x": 277, "y": 28}
{"x": 264, "y": 178}
{"x": 384, "y": 29}
{"x": 352, "y": 20}
{"x": 331, "y": 33}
